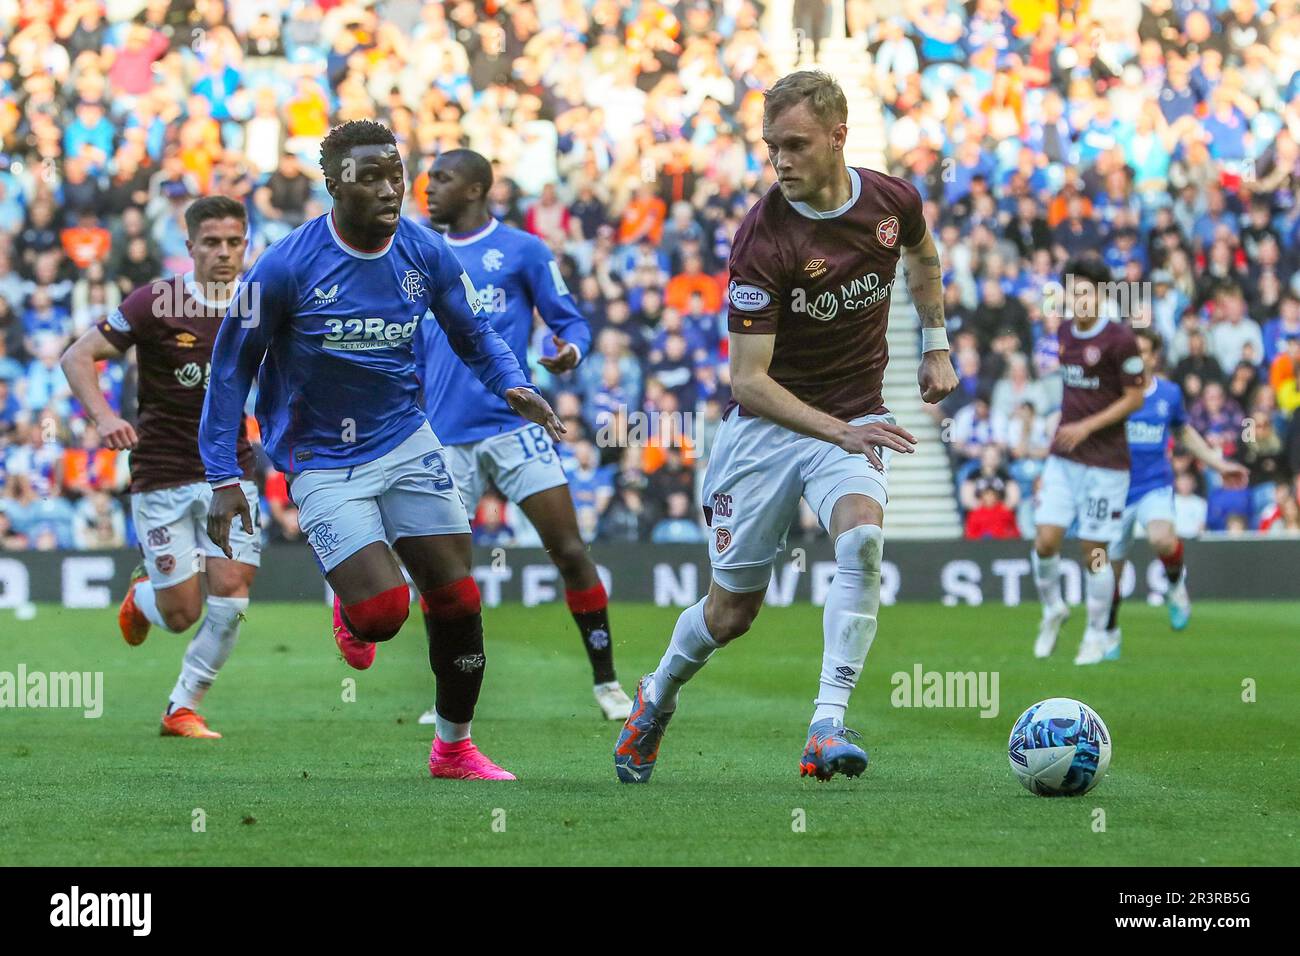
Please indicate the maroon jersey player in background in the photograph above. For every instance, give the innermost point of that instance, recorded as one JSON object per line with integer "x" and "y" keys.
{"x": 1086, "y": 475}
{"x": 810, "y": 277}
{"x": 172, "y": 324}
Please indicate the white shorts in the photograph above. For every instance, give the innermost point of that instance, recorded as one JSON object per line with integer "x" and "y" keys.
{"x": 407, "y": 493}
{"x": 172, "y": 525}
{"x": 757, "y": 473}
{"x": 1095, "y": 496}
{"x": 1156, "y": 505}
{"x": 520, "y": 462}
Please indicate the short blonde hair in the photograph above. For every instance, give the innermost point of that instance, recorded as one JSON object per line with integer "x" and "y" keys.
{"x": 818, "y": 89}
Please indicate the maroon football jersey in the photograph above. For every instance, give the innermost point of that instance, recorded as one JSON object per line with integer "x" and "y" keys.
{"x": 1097, "y": 366}
{"x": 820, "y": 281}
{"x": 173, "y": 331}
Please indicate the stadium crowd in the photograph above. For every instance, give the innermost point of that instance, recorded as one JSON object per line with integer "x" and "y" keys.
{"x": 1160, "y": 136}
{"x": 1164, "y": 136}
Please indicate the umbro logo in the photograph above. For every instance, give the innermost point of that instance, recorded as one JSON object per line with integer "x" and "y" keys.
{"x": 325, "y": 298}
{"x": 815, "y": 267}
{"x": 846, "y": 672}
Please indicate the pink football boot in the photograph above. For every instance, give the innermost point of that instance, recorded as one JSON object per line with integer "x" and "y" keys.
{"x": 359, "y": 654}
{"x": 463, "y": 761}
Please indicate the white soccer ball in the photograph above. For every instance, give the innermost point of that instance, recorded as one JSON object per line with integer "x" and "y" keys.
{"x": 1059, "y": 747}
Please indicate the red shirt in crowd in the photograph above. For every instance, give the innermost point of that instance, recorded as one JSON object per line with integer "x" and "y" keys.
{"x": 991, "y": 521}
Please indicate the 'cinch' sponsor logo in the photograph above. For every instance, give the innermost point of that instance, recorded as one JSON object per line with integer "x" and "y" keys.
{"x": 748, "y": 298}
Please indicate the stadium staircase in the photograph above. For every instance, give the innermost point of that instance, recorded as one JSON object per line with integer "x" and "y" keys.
{"x": 921, "y": 499}
{"x": 922, "y": 503}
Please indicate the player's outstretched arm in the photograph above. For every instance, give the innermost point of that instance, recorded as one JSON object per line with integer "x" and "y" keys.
{"x": 78, "y": 364}
{"x": 550, "y": 296}
{"x": 528, "y": 403}
{"x": 753, "y": 387}
{"x": 1201, "y": 450}
{"x": 258, "y": 312}
{"x": 936, "y": 376}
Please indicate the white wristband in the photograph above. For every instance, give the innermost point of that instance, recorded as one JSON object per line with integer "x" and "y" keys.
{"x": 934, "y": 340}
{"x": 223, "y": 483}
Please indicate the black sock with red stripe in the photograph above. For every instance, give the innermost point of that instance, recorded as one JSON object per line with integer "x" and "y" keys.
{"x": 454, "y": 624}
{"x": 1173, "y": 563}
{"x": 590, "y": 609}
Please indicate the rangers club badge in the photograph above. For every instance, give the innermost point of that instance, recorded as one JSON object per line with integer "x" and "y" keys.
{"x": 722, "y": 539}
{"x": 887, "y": 232}
{"x": 413, "y": 285}
{"x": 1091, "y": 355}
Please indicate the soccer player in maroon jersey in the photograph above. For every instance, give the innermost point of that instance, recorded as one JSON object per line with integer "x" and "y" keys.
{"x": 811, "y": 270}
{"x": 172, "y": 324}
{"x": 1087, "y": 473}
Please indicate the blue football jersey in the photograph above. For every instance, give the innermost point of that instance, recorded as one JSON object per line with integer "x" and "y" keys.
{"x": 513, "y": 273}
{"x": 330, "y": 332}
{"x": 1160, "y": 418}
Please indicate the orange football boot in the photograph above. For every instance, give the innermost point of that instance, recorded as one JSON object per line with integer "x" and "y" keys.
{"x": 183, "y": 722}
{"x": 130, "y": 620}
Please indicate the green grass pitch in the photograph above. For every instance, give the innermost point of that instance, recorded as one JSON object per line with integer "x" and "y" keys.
{"x": 1199, "y": 776}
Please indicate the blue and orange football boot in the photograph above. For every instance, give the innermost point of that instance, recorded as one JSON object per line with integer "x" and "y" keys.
{"x": 829, "y": 751}
{"x": 638, "y": 741}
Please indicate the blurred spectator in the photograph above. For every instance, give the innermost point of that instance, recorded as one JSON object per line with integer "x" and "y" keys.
{"x": 975, "y": 427}
{"x": 1197, "y": 362}
{"x": 1016, "y": 390}
{"x": 991, "y": 517}
{"x": 1283, "y": 514}
{"x": 678, "y": 525}
{"x": 990, "y": 475}
{"x": 625, "y": 519}
{"x": 99, "y": 523}
{"x": 590, "y": 483}
{"x": 1234, "y": 332}
{"x": 1217, "y": 418}
{"x": 490, "y": 528}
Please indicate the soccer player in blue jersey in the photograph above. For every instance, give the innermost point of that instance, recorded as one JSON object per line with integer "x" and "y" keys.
{"x": 514, "y": 273}
{"x": 1150, "y": 501}
{"x": 327, "y": 321}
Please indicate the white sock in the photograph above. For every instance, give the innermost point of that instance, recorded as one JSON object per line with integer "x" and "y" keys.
{"x": 1100, "y": 588}
{"x": 146, "y": 599}
{"x": 1047, "y": 575}
{"x": 692, "y": 645}
{"x": 209, "y": 650}
{"x": 849, "y": 618}
{"x": 448, "y": 732}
